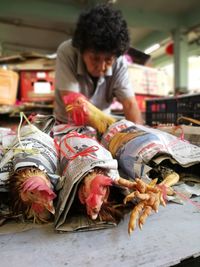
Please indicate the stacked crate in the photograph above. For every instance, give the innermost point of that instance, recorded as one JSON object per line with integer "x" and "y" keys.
{"x": 168, "y": 110}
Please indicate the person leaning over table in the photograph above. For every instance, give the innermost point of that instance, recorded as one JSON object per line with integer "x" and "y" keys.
{"x": 92, "y": 63}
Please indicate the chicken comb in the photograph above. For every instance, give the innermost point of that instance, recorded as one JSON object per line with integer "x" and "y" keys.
{"x": 72, "y": 97}
{"x": 96, "y": 188}
{"x": 99, "y": 181}
{"x": 36, "y": 182}
{"x": 77, "y": 109}
{"x": 92, "y": 200}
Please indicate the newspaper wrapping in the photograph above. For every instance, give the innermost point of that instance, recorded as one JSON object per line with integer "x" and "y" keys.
{"x": 32, "y": 148}
{"x": 135, "y": 155}
{"x": 6, "y": 138}
{"x": 79, "y": 154}
{"x": 61, "y": 129}
{"x": 190, "y": 133}
{"x": 43, "y": 122}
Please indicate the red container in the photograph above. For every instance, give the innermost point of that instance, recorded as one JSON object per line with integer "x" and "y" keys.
{"x": 37, "y": 86}
{"x": 141, "y": 100}
{"x": 117, "y": 107}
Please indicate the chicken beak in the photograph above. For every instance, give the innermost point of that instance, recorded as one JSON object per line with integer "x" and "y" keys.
{"x": 69, "y": 108}
{"x": 49, "y": 206}
{"x": 94, "y": 216}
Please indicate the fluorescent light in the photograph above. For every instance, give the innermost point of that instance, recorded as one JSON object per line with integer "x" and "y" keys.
{"x": 152, "y": 48}
{"x": 52, "y": 56}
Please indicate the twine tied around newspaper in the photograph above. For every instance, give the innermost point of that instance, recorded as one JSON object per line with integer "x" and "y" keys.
{"x": 21, "y": 148}
{"x": 181, "y": 137}
{"x": 83, "y": 153}
{"x": 184, "y": 197}
{"x": 188, "y": 133}
{"x": 164, "y": 189}
{"x": 194, "y": 121}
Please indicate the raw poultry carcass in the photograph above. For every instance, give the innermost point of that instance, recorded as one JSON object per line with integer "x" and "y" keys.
{"x": 90, "y": 173}
{"x": 33, "y": 178}
{"x": 81, "y": 112}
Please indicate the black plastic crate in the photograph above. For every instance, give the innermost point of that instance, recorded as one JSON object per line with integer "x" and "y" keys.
{"x": 168, "y": 110}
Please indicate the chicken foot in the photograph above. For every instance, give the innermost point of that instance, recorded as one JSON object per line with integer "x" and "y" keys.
{"x": 150, "y": 198}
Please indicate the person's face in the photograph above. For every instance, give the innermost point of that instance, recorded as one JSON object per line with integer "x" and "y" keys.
{"x": 97, "y": 64}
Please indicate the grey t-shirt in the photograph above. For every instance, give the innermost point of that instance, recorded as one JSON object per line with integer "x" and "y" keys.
{"x": 71, "y": 75}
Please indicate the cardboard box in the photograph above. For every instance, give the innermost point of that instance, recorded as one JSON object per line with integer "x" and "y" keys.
{"x": 149, "y": 81}
{"x": 8, "y": 87}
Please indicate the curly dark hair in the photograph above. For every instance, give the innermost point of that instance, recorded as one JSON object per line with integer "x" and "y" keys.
{"x": 102, "y": 29}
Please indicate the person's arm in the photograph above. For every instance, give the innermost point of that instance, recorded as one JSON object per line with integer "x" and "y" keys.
{"x": 131, "y": 110}
{"x": 124, "y": 91}
{"x": 66, "y": 68}
{"x": 65, "y": 78}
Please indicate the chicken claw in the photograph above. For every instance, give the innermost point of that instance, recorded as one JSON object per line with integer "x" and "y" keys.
{"x": 134, "y": 216}
{"x": 150, "y": 198}
{"x": 146, "y": 212}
